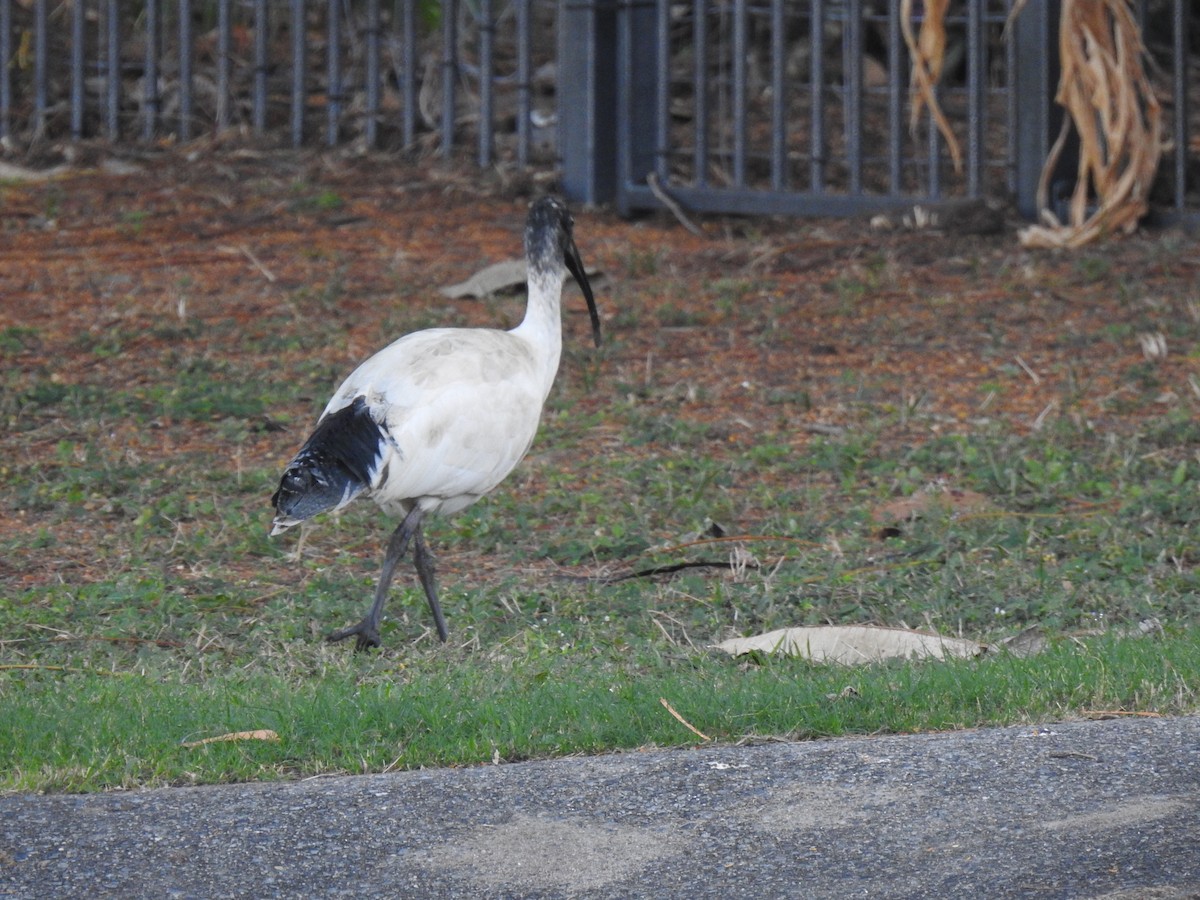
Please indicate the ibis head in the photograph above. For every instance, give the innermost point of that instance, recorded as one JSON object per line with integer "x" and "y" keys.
{"x": 550, "y": 244}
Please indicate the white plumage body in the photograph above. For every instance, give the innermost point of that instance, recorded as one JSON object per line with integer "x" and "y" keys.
{"x": 459, "y": 409}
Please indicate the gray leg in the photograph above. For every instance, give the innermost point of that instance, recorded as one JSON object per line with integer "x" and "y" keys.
{"x": 367, "y": 631}
{"x": 424, "y": 563}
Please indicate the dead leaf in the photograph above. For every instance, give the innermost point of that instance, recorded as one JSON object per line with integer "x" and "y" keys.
{"x": 494, "y": 279}
{"x": 1151, "y": 627}
{"x": 11, "y": 172}
{"x": 934, "y": 498}
{"x": 262, "y": 734}
{"x": 501, "y": 276}
{"x": 1029, "y": 642}
{"x": 849, "y": 692}
{"x": 852, "y": 644}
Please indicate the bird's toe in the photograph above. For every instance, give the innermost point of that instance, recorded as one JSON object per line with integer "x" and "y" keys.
{"x": 366, "y": 641}
{"x": 365, "y": 636}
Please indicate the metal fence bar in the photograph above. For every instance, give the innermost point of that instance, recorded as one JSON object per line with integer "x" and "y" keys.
{"x": 186, "y": 77}
{"x": 112, "y": 22}
{"x": 524, "y": 83}
{"x": 1179, "y": 91}
{"x": 449, "y": 73}
{"x": 934, "y": 154}
{"x": 662, "y": 97}
{"x": 371, "y": 125}
{"x": 895, "y": 93}
{"x": 1010, "y": 112}
{"x": 852, "y": 100}
{"x": 333, "y": 73}
{"x": 39, "y": 65}
{"x": 816, "y": 38}
{"x": 224, "y": 62}
{"x": 637, "y": 75}
{"x": 78, "y": 17}
{"x": 739, "y": 64}
{"x": 700, "y": 89}
{"x": 628, "y": 88}
{"x": 408, "y": 68}
{"x": 299, "y": 65}
{"x": 1033, "y": 78}
{"x": 591, "y": 96}
{"x": 487, "y": 34}
{"x": 6, "y": 95}
{"x": 779, "y": 129}
{"x": 977, "y": 61}
{"x": 150, "y": 100}
{"x": 261, "y": 64}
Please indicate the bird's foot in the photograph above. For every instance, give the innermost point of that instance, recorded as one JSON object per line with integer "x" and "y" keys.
{"x": 365, "y": 632}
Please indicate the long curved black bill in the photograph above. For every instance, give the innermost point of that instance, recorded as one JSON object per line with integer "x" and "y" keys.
{"x": 575, "y": 267}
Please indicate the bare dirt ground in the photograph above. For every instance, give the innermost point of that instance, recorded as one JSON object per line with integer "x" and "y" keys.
{"x": 795, "y": 328}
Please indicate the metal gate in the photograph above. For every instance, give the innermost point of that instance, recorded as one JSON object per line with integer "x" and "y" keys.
{"x": 802, "y": 106}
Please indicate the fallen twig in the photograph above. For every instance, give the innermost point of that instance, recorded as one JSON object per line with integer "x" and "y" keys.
{"x": 737, "y": 539}
{"x": 35, "y": 667}
{"x": 258, "y": 264}
{"x": 666, "y": 569}
{"x": 660, "y": 193}
{"x": 261, "y": 734}
{"x": 1117, "y": 713}
{"x": 157, "y": 642}
{"x": 686, "y": 724}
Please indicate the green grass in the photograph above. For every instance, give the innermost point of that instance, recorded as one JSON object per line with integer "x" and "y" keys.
{"x": 346, "y": 714}
{"x": 193, "y": 624}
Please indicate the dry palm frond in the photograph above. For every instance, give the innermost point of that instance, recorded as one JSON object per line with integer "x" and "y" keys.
{"x": 928, "y": 54}
{"x": 1111, "y": 104}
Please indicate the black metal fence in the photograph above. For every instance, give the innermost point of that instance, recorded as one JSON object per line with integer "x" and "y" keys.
{"x": 802, "y": 106}
{"x": 408, "y": 73}
{"x": 796, "y": 106}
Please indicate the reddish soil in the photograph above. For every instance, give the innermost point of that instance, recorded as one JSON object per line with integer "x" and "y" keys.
{"x": 789, "y": 327}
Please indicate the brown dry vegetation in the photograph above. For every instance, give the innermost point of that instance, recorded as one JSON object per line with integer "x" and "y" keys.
{"x": 300, "y": 266}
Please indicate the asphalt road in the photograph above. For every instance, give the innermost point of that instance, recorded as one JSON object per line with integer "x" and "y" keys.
{"x": 1081, "y": 810}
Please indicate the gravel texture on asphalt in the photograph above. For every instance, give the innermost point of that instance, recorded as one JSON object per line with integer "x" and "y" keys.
{"x": 1075, "y": 810}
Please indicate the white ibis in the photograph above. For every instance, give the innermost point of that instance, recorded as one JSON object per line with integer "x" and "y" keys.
{"x": 438, "y": 418}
